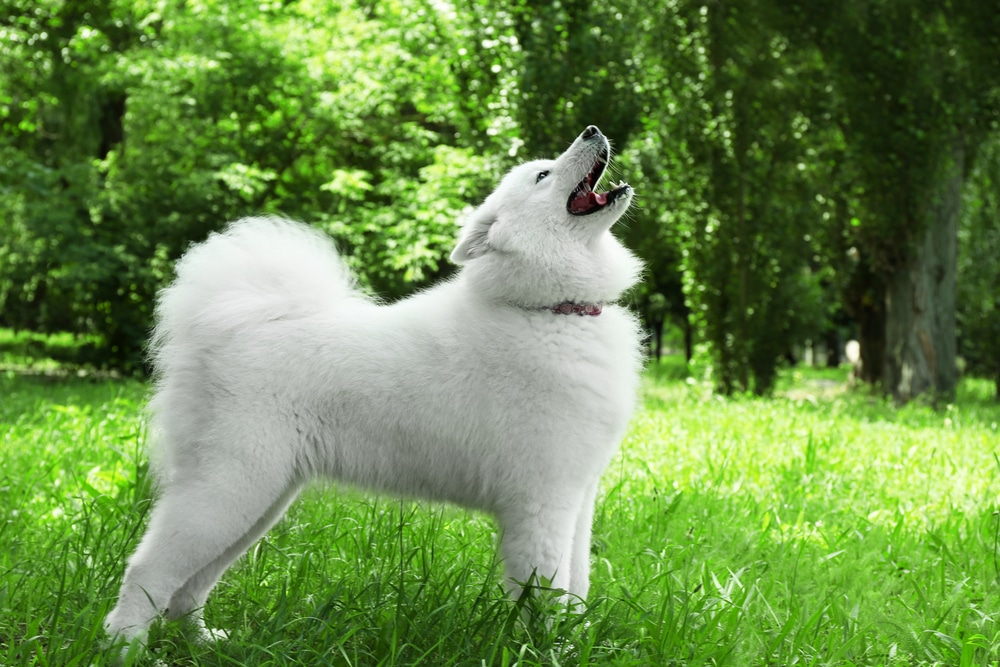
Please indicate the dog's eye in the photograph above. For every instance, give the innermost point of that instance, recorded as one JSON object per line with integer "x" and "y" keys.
{"x": 541, "y": 175}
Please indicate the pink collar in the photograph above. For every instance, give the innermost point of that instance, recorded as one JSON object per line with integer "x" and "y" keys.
{"x": 570, "y": 308}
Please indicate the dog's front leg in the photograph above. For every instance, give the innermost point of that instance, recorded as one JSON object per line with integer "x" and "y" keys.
{"x": 537, "y": 545}
{"x": 579, "y": 575}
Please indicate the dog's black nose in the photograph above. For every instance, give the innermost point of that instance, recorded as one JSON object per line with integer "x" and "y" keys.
{"x": 590, "y": 131}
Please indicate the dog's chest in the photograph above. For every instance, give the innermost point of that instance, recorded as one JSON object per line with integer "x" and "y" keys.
{"x": 574, "y": 368}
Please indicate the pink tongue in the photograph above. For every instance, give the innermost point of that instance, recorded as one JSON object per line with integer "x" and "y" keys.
{"x": 589, "y": 201}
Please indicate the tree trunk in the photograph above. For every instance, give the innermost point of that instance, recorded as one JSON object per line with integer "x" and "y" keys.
{"x": 834, "y": 347}
{"x": 871, "y": 335}
{"x": 920, "y": 298}
{"x": 689, "y": 345}
{"x": 658, "y": 337}
{"x": 864, "y": 301}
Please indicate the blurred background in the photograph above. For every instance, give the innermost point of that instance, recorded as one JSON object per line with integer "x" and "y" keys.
{"x": 808, "y": 173}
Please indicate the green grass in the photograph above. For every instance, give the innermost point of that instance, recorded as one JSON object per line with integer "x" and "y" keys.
{"x": 822, "y": 527}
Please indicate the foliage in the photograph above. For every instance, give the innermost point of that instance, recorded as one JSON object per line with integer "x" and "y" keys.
{"x": 818, "y": 527}
{"x": 913, "y": 76}
{"x": 312, "y": 110}
{"x": 578, "y": 68}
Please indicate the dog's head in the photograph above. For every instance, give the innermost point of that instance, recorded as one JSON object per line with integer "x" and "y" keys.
{"x": 543, "y": 235}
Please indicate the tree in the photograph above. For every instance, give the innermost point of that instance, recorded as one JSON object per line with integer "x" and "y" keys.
{"x": 918, "y": 82}
{"x": 979, "y": 268}
{"x": 61, "y": 117}
{"x": 576, "y": 69}
{"x": 735, "y": 151}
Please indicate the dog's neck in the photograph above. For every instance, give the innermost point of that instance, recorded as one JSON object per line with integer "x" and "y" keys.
{"x": 570, "y": 308}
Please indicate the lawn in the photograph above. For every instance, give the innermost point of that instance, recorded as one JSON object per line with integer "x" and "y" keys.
{"x": 819, "y": 527}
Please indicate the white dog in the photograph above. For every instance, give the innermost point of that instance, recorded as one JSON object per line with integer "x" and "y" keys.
{"x": 505, "y": 389}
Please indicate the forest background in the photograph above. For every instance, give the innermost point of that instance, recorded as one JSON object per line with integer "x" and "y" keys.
{"x": 806, "y": 171}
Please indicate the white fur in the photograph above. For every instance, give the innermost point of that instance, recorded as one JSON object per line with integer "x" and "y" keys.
{"x": 272, "y": 370}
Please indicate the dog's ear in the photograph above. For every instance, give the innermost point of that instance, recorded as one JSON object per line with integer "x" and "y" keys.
{"x": 474, "y": 239}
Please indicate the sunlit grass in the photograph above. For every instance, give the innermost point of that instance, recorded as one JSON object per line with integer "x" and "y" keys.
{"x": 821, "y": 527}
{"x": 853, "y": 533}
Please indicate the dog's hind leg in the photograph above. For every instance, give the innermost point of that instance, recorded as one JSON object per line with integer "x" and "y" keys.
{"x": 199, "y": 525}
{"x": 189, "y": 600}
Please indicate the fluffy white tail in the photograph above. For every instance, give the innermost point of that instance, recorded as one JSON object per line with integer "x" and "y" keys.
{"x": 257, "y": 270}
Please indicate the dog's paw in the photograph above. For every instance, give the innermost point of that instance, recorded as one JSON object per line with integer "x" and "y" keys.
{"x": 204, "y": 635}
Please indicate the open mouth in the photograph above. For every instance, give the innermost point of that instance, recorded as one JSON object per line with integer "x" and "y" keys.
{"x": 584, "y": 200}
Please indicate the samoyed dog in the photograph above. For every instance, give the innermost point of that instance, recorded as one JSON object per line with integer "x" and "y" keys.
{"x": 505, "y": 389}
